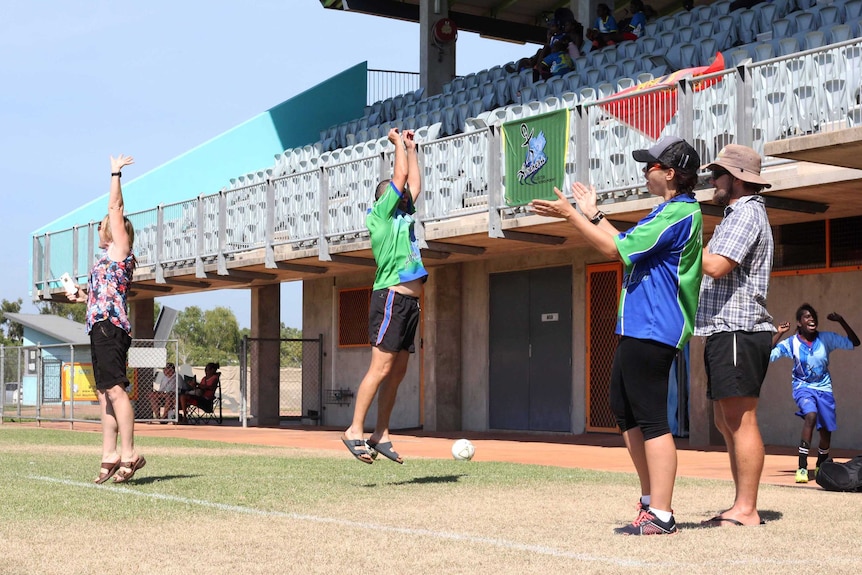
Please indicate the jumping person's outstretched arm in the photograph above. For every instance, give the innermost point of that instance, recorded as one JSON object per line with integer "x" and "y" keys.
{"x": 399, "y": 172}
{"x": 121, "y": 242}
{"x": 851, "y": 335}
{"x": 783, "y": 328}
{"x": 414, "y": 176}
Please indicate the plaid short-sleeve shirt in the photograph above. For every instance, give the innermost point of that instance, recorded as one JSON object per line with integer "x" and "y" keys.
{"x": 737, "y": 301}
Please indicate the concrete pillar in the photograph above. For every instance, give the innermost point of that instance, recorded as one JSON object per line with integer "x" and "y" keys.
{"x": 701, "y": 426}
{"x": 585, "y": 12}
{"x": 441, "y": 338}
{"x": 436, "y": 63}
{"x": 264, "y": 360}
{"x": 141, "y": 314}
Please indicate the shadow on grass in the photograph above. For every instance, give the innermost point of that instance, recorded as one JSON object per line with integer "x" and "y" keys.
{"x": 424, "y": 480}
{"x": 154, "y": 479}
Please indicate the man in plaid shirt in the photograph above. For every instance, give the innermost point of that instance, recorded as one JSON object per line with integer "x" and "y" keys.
{"x": 732, "y": 315}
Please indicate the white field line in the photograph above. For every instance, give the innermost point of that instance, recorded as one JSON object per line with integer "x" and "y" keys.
{"x": 446, "y": 535}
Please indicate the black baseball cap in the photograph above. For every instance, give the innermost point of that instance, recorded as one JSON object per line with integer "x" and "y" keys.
{"x": 672, "y": 152}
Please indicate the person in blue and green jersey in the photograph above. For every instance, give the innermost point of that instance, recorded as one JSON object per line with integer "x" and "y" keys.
{"x": 658, "y": 302}
{"x": 394, "y": 310}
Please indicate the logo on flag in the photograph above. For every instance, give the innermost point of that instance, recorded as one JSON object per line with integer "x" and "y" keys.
{"x": 535, "y": 152}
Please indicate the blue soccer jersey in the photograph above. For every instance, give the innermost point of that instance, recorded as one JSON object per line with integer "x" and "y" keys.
{"x": 811, "y": 359}
{"x": 662, "y": 256}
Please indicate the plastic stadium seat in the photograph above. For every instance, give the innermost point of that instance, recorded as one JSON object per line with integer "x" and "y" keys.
{"x": 838, "y": 33}
{"x": 747, "y": 27}
{"x": 815, "y": 39}
{"x": 605, "y": 90}
{"x": 722, "y": 8}
{"x": 666, "y": 40}
{"x": 624, "y": 83}
{"x": 737, "y": 57}
{"x": 701, "y": 13}
{"x": 829, "y": 15}
{"x": 766, "y": 14}
{"x": 569, "y": 99}
{"x": 556, "y": 86}
{"x": 611, "y": 73}
{"x": 648, "y": 45}
{"x": 683, "y": 18}
{"x": 588, "y": 94}
{"x": 852, "y": 10}
{"x": 628, "y": 67}
{"x": 644, "y": 77}
{"x": 764, "y": 51}
{"x": 572, "y": 80}
{"x": 704, "y": 29}
{"x": 685, "y": 34}
{"x": 782, "y": 7}
{"x": 551, "y": 104}
{"x": 783, "y": 28}
{"x": 787, "y": 46}
{"x": 803, "y": 21}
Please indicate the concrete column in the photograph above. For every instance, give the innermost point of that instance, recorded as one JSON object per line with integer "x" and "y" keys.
{"x": 436, "y": 64}
{"x": 585, "y": 12}
{"x": 141, "y": 314}
{"x": 701, "y": 426}
{"x": 264, "y": 360}
{"x": 441, "y": 339}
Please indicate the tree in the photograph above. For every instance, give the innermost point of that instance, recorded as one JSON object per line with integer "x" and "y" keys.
{"x": 291, "y": 351}
{"x": 11, "y": 333}
{"x": 205, "y": 336}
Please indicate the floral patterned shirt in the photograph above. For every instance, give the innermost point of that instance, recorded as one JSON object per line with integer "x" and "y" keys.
{"x": 109, "y": 283}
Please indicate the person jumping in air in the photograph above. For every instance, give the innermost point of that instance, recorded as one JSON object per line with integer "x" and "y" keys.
{"x": 812, "y": 384}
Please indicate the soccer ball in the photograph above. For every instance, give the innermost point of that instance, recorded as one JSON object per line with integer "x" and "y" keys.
{"x": 463, "y": 450}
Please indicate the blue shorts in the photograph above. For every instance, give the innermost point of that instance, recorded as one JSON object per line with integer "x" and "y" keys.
{"x": 820, "y": 402}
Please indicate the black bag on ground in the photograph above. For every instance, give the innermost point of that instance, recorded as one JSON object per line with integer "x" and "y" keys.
{"x": 841, "y": 476}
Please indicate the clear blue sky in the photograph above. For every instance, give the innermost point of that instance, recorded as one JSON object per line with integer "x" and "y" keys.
{"x": 84, "y": 80}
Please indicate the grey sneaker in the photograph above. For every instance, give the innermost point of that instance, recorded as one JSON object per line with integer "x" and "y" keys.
{"x": 648, "y": 524}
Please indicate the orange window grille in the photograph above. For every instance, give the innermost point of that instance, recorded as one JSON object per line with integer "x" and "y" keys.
{"x": 353, "y": 316}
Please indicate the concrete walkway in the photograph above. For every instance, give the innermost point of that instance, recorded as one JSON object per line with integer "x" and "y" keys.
{"x": 601, "y": 451}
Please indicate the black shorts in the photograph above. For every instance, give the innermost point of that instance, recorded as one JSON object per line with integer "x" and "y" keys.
{"x": 392, "y": 320}
{"x": 109, "y": 348}
{"x": 736, "y": 363}
{"x": 639, "y": 380}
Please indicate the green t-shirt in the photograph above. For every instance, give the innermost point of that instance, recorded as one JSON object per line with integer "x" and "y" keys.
{"x": 393, "y": 242}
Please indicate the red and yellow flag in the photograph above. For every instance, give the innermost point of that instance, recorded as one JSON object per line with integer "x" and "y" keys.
{"x": 649, "y": 113}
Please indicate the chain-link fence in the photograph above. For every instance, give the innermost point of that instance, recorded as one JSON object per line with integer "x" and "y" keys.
{"x": 56, "y": 382}
{"x": 300, "y": 375}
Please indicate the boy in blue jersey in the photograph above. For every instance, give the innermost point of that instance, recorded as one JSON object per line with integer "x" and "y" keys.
{"x": 394, "y": 311}
{"x": 662, "y": 258}
{"x": 812, "y": 384}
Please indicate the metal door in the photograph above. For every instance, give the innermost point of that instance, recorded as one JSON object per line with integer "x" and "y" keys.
{"x": 530, "y": 343}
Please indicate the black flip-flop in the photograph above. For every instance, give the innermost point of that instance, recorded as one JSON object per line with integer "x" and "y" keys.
{"x": 385, "y": 449}
{"x": 718, "y": 519}
{"x": 358, "y": 448}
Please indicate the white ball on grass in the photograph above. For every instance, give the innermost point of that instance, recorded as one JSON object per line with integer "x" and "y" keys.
{"x": 463, "y": 450}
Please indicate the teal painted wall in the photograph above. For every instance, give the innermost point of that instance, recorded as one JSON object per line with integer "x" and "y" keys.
{"x": 249, "y": 147}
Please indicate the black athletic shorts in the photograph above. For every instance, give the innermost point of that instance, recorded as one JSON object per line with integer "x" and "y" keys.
{"x": 392, "y": 320}
{"x": 736, "y": 363}
{"x": 639, "y": 377}
{"x": 109, "y": 348}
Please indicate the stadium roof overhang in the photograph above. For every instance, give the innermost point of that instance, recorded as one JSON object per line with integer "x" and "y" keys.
{"x": 841, "y": 147}
{"x": 511, "y": 20}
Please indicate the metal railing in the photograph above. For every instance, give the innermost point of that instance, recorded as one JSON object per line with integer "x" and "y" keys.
{"x": 326, "y": 202}
{"x": 383, "y": 84}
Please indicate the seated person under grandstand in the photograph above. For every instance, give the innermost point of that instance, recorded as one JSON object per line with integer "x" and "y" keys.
{"x": 558, "y": 62}
{"x": 203, "y": 393}
{"x": 165, "y": 391}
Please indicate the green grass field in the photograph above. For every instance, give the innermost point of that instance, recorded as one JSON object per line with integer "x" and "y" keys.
{"x": 206, "y": 507}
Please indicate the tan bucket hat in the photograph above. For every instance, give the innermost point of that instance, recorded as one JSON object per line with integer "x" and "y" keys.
{"x": 742, "y": 162}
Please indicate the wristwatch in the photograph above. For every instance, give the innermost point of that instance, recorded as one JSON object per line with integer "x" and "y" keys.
{"x": 596, "y": 219}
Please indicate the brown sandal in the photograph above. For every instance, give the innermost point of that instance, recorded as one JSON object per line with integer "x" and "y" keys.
{"x": 108, "y": 469}
{"x": 132, "y": 466}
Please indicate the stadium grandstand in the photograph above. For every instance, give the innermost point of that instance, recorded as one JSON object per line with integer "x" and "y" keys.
{"x": 518, "y": 313}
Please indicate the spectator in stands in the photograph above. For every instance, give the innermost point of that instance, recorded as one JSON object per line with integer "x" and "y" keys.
{"x": 636, "y": 25}
{"x": 109, "y": 329}
{"x": 575, "y": 37}
{"x": 604, "y": 28}
{"x": 662, "y": 259}
{"x": 201, "y": 393}
{"x": 165, "y": 391}
{"x": 555, "y": 33}
{"x": 558, "y": 62}
{"x": 812, "y": 385}
{"x": 687, "y": 5}
{"x": 394, "y": 310}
